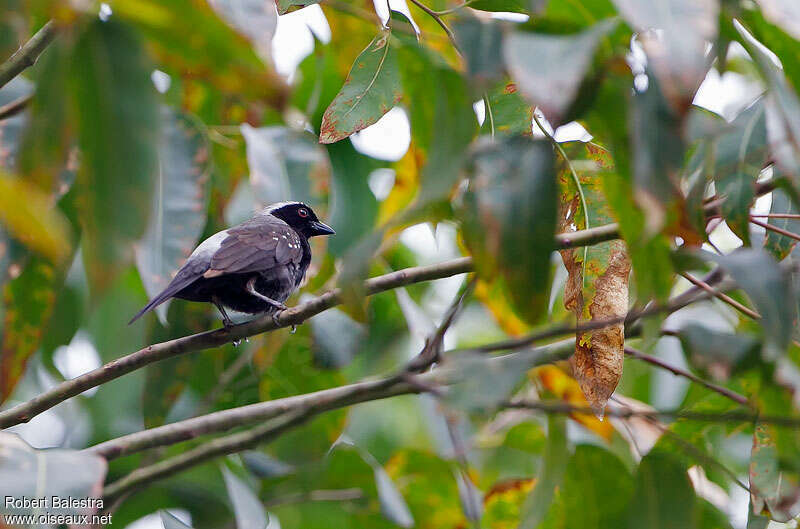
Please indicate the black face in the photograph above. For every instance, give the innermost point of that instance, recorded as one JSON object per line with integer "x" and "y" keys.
{"x": 301, "y": 217}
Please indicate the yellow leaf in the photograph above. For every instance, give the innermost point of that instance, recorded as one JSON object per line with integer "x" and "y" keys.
{"x": 29, "y": 215}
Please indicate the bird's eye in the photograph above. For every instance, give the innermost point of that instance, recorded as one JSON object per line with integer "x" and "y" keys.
{"x": 303, "y": 212}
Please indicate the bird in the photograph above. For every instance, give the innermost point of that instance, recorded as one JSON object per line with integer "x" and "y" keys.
{"x": 252, "y": 267}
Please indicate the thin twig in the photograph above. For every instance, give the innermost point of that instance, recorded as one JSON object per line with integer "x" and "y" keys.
{"x": 722, "y": 297}
{"x": 739, "y": 399}
{"x": 26, "y": 56}
{"x": 454, "y": 9}
{"x": 15, "y": 107}
{"x": 316, "y": 495}
{"x": 776, "y": 229}
{"x": 439, "y": 21}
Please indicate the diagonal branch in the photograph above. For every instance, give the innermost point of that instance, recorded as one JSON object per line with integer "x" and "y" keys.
{"x": 26, "y": 56}
{"x": 282, "y": 415}
{"x": 293, "y": 316}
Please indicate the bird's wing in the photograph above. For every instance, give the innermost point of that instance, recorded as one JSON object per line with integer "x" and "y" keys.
{"x": 257, "y": 245}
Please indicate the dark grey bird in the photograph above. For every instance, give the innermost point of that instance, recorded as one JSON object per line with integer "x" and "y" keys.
{"x": 253, "y": 267}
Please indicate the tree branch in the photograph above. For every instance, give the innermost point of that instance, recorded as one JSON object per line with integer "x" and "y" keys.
{"x": 26, "y": 56}
{"x": 293, "y": 316}
{"x": 293, "y": 411}
{"x": 316, "y": 402}
{"x": 15, "y": 107}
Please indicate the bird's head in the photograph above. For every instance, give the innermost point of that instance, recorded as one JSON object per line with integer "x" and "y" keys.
{"x": 300, "y": 217}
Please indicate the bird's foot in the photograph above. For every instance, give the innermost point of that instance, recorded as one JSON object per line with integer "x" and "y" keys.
{"x": 275, "y": 318}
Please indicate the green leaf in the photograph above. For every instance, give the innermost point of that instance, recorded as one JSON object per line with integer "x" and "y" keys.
{"x": 783, "y": 109}
{"x": 480, "y": 42}
{"x": 284, "y": 6}
{"x": 178, "y": 213}
{"x": 782, "y": 13}
{"x": 551, "y": 475}
{"x": 708, "y": 348}
{"x": 28, "y": 473}
{"x": 597, "y": 489}
{"x": 353, "y": 207}
{"x": 118, "y": 130}
{"x": 780, "y": 245}
{"x": 371, "y": 90}
{"x": 769, "y": 287}
{"x": 549, "y": 69}
{"x": 249, "y": 512}
{"x": 507, "y": 113}
{"x": 772, "y": 491}
{"x": 663, "y": 495}
{"x": 284, "y": 164}
{"x": 508, "y": 6}
{"x": 393, "y": 506}
{"x": 264, "y": 466}
{"x": 509, "y": 217}
{"x": 337, "y": 338}
{"x": 171, "y": 522}
{"x": 676, "y": 55}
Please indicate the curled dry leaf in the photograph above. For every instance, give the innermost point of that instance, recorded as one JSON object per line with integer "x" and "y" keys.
{"x": 597, "y": 286}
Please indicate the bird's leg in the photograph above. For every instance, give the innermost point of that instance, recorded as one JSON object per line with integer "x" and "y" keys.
{"x": 251, "y": 288}
{"x": 226, "y": 321}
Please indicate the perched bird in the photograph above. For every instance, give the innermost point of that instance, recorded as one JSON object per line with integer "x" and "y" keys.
{"x": 253, "y": 267}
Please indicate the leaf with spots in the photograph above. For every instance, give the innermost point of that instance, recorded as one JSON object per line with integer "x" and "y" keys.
{"x": 284, "y": 6}
{"x": 774, "y": 492}
{"x": 179, "y": 207}
{"x": 597, "y": 287}
{"x": 371, "y": 90}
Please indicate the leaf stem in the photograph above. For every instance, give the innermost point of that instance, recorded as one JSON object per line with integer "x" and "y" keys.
{"x": 435, "y": 16}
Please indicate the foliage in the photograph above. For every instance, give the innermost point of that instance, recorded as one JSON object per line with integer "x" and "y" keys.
{"x": 132, "y": 130}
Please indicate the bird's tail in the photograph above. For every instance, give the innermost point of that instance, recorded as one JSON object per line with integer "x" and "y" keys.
{"x": 155, "y": 302}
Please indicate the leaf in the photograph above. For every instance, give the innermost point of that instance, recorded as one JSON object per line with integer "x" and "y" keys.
{"x": 117, "y": 131}
{"x": 480, "y": 42}
{"x": 27, "y": 213}
{"x": 507, "y": 114}
{"x": 264, "y": 466}
{"x": 677, "y": 53}
{"x": 567, "y": 389}
{"x": 769, "y": 287}
{"x": 512, "y": 6}
{"x": 658, "y": 154}
{"x": 171, "y": 522}
{"x": 393, "y": 506}
{"x": 782, "y": 106}
{"x": 371, "y": 90}
{"x": 178, "y": 213}
{"x": 337, "y": 338}
{"x": 250, "y": 514}
{"x": 353, "y": 207}
{"x": 470, "y": 496}
{"x": 597, "y": 489}
{"x": 443, "y": 122}
{"x": 284, "y": 164}
{"x": 780, "y": 245}
{"x": 551, "y": 474}
{"x": 548, "y": 69}
{"x": 509, "y": 217}
{"x": 770, "y": 491}
{"x": 284, "y": 6}
{"x": 663, "y": 496}
{"x": 715, "y": 351}
{"x": 783, "y": 13}
{"x": 255, "y": 19}
{"x": 597, "y": 287}
{"x": 26, "y": 472}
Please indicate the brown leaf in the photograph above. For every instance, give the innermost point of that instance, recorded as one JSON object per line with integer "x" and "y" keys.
{"x": 597, "y": 287}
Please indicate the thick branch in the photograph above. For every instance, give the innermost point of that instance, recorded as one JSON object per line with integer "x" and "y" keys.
{"x": 293, "y": 316}
{"x": 26, "y": 56}
{"x": 294, "y": 410}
